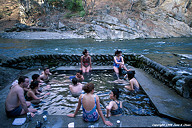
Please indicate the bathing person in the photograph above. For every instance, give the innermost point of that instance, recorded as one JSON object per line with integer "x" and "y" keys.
{"x": 115, "y": 106}
{"x": 31, "y": 94}
{"x": 85, "y": 62}
{"x": 76, "y": 88}
{"x": 15, "y": 103}
{"x": 79, "y": 77}
{"x": 118, "y": 60}
{"x": 134, "y": 85}
{"x": 45, "y": 75}
{"x": 90, "y": 105}
{"x": 123, "y": 71}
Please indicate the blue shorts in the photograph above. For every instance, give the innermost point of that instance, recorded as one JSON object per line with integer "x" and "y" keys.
{"x": 15, "y": 112}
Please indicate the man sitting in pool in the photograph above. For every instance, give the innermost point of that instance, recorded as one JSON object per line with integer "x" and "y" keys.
{"x": 45, "y": 75}
{"x": 78, "y": 76}
{"x": 15, "y": 103}
{"x": 76, "y": 88}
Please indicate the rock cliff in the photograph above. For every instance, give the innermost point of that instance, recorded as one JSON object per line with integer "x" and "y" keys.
{"x": 112, "y": 19}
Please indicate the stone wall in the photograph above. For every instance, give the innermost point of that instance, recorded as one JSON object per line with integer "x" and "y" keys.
{"x": 180, "y": 83}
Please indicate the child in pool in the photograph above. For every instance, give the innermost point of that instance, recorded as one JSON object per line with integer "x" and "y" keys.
{"x": 90, "y": 105}
{"x": 115, "y": 107}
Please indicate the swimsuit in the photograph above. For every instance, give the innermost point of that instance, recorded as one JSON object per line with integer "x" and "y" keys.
{"x": 86, "y": 62}
{"x": 136, "y": 89}
{"x": 15, "y": 112}
{"x": 117, "y": 65}
{"x": 117, "y": 111}
{"x": 92, "y": 115}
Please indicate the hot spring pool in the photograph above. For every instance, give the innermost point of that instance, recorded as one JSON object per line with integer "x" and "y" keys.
{"x": 61, "y": 102}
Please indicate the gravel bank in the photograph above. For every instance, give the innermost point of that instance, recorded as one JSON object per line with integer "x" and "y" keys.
{"x": 40, "y": 35}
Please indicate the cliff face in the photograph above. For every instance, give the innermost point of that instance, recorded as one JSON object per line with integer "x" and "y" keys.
{"x": 112, "y": 19}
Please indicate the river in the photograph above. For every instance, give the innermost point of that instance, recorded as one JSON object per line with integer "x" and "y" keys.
{"x": 175, "y": 53}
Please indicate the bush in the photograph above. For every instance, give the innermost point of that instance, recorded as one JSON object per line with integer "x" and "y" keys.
{"x": 82, "y": 13}
{"x": 74, "y": 5}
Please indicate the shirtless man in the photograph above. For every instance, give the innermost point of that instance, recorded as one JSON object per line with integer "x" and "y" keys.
{"x": 76, "y": 88}
{"x": 15, "y": 103}
{"x": 45, "y": 75}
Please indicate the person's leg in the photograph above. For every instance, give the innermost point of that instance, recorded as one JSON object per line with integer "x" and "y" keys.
{"x": 83, "y": 69}
{"x": 87, "y": 69}
{"x": 28, "y": 103}
{"x": 116, "y": 71}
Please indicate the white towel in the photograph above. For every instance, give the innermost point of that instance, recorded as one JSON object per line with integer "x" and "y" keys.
{"x": 19, "y": 121}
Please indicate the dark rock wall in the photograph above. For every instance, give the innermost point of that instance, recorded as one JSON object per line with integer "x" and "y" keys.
{"x": 180, "y": 83}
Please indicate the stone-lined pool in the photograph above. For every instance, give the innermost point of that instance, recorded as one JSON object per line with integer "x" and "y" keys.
{"x": 61, "y": 102}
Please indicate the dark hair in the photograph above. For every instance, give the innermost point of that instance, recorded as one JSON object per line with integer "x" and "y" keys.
{"x": 22, "y": 79}
{"x": 85, "y": 51}
{"x": 74, "y": 81}
{"x": 130, "y": 74}
{"x": 35, "y": 76}
{"x": 116, "y": 92}
{"x": 34, "y": 84}
{"x": 46, "y": 68}
{"x": 88, "y": 87}
{"x": 117, "y": 52}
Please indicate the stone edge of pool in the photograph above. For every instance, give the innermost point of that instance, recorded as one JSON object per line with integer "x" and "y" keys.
{"x": 168, "y": 103}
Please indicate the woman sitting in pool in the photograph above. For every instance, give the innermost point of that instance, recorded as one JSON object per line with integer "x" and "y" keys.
{"x": 115, "y": 106}
{"x": 90, "y": 105}
{"x": 76, "y": 88}
{"x": 118, "y": 60}
{"x": 31, "y": 94}
{"x": 134, "y": 85}
{"x": 85, "y": 62}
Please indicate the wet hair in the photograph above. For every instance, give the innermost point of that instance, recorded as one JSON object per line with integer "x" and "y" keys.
{"x": 117, "y": 52}
{"x": 34, "y": 84}
{"x": 116, "y": 92}
{"x": 88, "y": 87}
{"x": 22, "y": 79}
{"x": 85, "y": 51}
{"x": 35, "y": 76}
{"x": 46, "y": 68}
{"x": 130, "y": 74}
{"x": 74, "y": 81}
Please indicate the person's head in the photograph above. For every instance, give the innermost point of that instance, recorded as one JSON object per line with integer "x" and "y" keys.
{"x": 46, "y": 71}
{"x": 130, "y": 75}
{"x": 88, "y": 87}
{"x": 118, "y": 53}
{"x": 74, "y": 81}
{"x": 36, "y": 77}
{"x": 78, "y": 75}
{"x": 34, "y": 84}
{"x": 23, "y": 81}
{"x": 85, "y": 52}
{"x": 114, "y": 94}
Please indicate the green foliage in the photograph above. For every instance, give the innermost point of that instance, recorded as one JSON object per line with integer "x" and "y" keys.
{"x": 74, "y": 5}
{"x": 82, "y": 13}
{"x": 55, "y": 2}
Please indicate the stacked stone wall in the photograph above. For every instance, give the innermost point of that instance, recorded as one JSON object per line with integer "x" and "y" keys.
{"x": 180, "y": 83}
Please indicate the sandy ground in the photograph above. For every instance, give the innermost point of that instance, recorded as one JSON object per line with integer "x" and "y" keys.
{"x": 40, "y": 35}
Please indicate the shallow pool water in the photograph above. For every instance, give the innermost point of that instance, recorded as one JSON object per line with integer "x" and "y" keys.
{"x": 61, "y": 102}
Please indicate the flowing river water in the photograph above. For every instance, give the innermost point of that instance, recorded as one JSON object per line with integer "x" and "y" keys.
{"x": 174, "y": 53}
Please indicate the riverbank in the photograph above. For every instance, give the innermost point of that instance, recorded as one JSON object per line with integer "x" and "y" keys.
{"x": 40, "y": 35}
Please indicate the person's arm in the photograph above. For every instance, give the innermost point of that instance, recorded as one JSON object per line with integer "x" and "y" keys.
{"x": 122, "y": 60}
{"x": 81, "y": 62}
{"x": 90, "y": 61}
{"x": 101, "y": 113}
{"x": 77, "y": 109}
{"x": 109, "y": 108}
{"x": 22, "y": 100}
{"x": 131, "y": 85}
